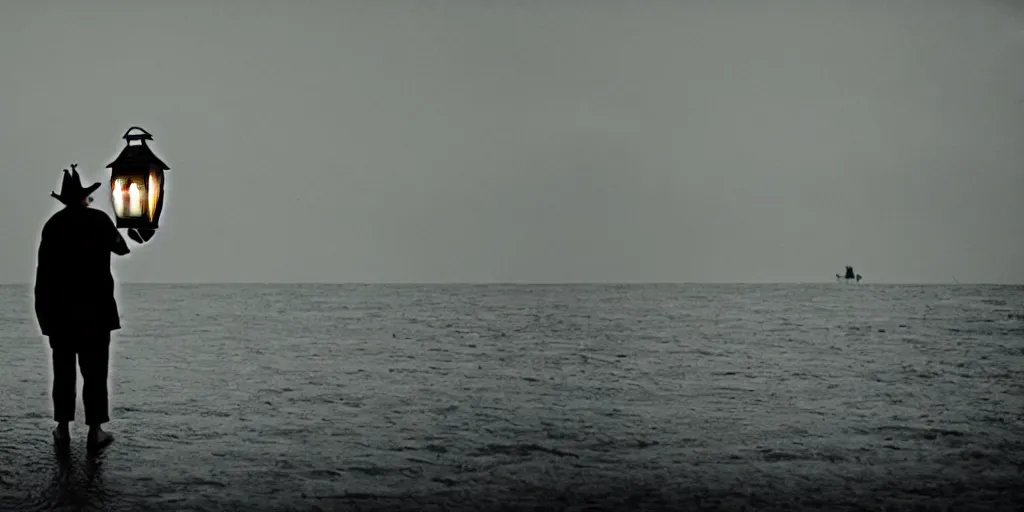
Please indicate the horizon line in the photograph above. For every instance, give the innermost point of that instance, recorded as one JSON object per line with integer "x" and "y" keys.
{"x": 544, "y": 283}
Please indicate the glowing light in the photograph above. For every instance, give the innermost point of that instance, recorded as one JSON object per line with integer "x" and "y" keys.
{"x": 134, "y": 201}
{"x": 136, "y": 196}
{"x": 118, "y": 196}
{"x": 154, "y": 191}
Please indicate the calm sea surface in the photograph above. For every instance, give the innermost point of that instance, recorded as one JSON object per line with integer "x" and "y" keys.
{"x": 294, "y": 397}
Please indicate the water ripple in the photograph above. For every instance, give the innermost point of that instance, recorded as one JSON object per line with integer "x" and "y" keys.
{"x": 413, "y": 397}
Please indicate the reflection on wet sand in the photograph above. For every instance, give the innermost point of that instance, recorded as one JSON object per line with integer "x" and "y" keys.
{"x": 535, "y": 398}
{"x": 76, "y": 482}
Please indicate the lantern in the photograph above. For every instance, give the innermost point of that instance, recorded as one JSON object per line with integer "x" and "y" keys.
{"x": 137, "y": 184}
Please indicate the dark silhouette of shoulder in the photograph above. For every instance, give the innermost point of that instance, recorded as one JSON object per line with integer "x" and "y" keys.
{"x": 86, "y": 227}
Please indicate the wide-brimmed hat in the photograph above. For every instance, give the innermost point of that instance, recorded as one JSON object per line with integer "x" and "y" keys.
{"x": 71, "y": 189}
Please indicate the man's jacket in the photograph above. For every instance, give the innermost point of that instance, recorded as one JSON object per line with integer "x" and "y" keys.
{"x": 74, "y": 288}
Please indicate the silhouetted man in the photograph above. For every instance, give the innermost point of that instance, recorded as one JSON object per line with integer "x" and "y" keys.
{"x": 75, "y": 305}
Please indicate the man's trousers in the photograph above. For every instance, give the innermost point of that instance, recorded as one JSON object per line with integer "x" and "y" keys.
{"x": 92, "y": 352}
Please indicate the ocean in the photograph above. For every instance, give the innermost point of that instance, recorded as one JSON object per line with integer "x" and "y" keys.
{"x": 534, "y": 397}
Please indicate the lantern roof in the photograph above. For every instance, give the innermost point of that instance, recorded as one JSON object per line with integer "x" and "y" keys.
{"x": 139, "y": 154}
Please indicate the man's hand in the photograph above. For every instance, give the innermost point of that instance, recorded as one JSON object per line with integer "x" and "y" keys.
{"x": 120, "y": 248}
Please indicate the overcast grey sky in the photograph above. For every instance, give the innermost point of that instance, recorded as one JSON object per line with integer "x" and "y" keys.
{"x": 514, "y": 140}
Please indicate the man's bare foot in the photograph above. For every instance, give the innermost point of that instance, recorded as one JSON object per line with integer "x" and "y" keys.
{"x": 62, "y": 435}
{"x": 98, "y": 438}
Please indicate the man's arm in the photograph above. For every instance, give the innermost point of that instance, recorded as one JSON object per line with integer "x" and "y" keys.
{"x": 113, "y": 237}
{"x": 43, "y": 289}
{"x": 120, "y": 246}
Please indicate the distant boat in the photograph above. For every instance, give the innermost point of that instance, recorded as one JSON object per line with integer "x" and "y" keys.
{"x": 849, "y": 275}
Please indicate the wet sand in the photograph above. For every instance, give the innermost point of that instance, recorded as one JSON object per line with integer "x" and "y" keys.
{"x": 535, "y": 398}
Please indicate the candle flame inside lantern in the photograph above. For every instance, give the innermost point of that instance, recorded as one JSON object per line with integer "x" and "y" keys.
{"x": 133, "y": 198}
{"x": 134, "y": 201}
{"x": 118, "y": 197}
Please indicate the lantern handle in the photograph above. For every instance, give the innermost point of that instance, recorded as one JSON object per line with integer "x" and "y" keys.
{"x": 128, "y": 136}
